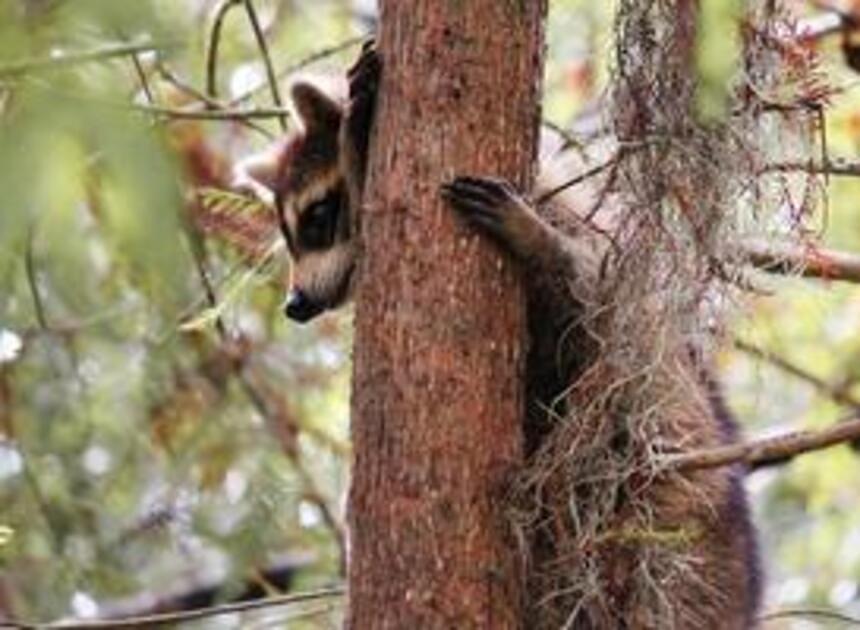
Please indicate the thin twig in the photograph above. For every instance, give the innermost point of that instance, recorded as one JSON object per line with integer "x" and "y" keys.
{"x": 73, "y": 327}
{"x": 161, "y": 619}
{"x": 144, "y": 81}
{"x": 766, "y": 451}
{"x": 183, "y": 86}
{"x": 568, "y": 139}
{"x": 44, "y": 508}
{"x": 169, "y": 112}
{"x": 839, "y": 395}
{"x": 809, "y": 262}
{"x": 301, "y": 63}
{"x": 213, "y": 114}
{"x": 171, "y": 77}
{"x": 820, "y": 613}
{"x": 834, "y": 166}
{"x": 33, "y": 283}
{"x": 74, "y": 58}
{"x": 573, "y": 181}
{"x": 311, "y": 493}
{"x": 624, "y": 147}
{"x": 214, "y": 41}
{"x": 267, "y": 60}
{"x": 199, "y": 254}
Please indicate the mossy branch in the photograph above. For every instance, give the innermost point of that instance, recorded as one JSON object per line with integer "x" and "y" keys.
{"x": 799, "y": 260}
{"x": 768, "y": 451}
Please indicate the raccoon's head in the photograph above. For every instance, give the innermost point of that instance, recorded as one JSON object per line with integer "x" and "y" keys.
{"x": 304, "y": 178}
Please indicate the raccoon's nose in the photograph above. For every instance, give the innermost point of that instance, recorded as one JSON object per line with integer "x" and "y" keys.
{"x": 300, "y": 308}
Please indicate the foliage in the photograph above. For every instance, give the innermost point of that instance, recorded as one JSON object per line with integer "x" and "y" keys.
{"x": 142, "y": 449}
{"x": 160, "y": 422}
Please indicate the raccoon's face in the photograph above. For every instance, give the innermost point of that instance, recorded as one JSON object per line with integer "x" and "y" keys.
{"x": 317, "y": 231}
{"x": 304, "y": 175}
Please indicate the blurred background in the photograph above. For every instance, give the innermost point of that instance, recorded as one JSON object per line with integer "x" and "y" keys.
{"x": 168, "y": 439}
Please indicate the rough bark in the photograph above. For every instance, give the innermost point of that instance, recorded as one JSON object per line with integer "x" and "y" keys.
{"x": 440, "y": 322}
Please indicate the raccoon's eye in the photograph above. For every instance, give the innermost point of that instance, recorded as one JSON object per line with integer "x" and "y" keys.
{"x": 318, "y": 223}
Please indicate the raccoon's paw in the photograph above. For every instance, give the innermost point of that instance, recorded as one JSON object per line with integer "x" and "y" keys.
{"x": 492, "y": 204}
{"x": 364, "y": 74}
{"x": 363, "y": 79}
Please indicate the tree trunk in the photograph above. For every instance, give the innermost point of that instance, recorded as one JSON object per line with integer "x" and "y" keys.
{"x": 440, "y": 321}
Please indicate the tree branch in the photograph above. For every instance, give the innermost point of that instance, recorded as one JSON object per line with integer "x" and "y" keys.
{"x": 833, "y": 166}
{"x": 578, "y": 179}
{"x": 171, "y": 77}
{"x": 838, "y": 394}
{"x": 161, "y": 619}
{"x": 267, "y": 60}
{"x": 144, "y": 80}
{"x": 805, "y": 261}
{"x": 817, "y": 613}
{"x": 766, "y": 451}
{"x": 214, "y": 41}
{"x": 215, "y": 114}
{"x": 73, "y": 58}
{"x": 33, "y": 282}
{"x": 301, "y": 63}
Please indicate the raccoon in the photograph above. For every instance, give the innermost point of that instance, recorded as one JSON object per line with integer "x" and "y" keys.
{"x": 315, "y": 178}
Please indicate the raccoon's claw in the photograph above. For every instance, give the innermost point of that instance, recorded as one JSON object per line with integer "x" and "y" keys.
{"x": 494, "y": 206}
{"x": 484, "y": 201}
{"x": 364, "y": 74}
{"x": 363, "y": 85}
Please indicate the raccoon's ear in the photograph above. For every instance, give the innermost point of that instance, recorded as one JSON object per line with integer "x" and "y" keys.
{"x": 316, "y": 109}
{"x": 257, "y": 174}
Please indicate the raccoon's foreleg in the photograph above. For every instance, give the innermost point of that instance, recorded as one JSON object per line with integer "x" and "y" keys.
{"x": 355, "y": 128}
{"x": 494, "y": 206}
